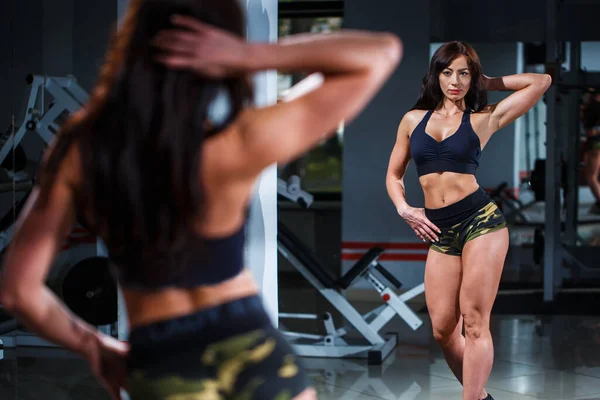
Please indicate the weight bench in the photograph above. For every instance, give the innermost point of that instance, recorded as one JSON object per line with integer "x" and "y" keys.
{"x": 336, "y": 343}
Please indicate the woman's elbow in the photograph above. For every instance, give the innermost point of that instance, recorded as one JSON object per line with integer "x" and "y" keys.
{"x": 8, "y": 299}
{"x": 394, "y": 48}
{"x": 546, "y": 81}
{"x": 393, "y": 177}
{"x": 14, "y": 298}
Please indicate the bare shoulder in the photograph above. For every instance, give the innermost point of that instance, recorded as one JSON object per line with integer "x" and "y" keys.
{"x": 410, "y": 120}
{"x": 70, "y": 167}
{"x": 414, "y": 116}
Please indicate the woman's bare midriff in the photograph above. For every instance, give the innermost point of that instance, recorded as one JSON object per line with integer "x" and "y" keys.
{"x": 446, "y": 188}
{"x": 146, "y": 307}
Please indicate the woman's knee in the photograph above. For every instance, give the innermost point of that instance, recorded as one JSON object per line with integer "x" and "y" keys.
{"x": 476, "y": 324}
{"x": 446, "y": 332}
{"x": 593, "y": 164}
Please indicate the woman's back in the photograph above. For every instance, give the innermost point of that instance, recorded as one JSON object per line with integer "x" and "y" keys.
{"x": 215, "y": 271}
{"x": 168, "y": 192}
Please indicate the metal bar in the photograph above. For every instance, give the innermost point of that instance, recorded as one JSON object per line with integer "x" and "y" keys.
{"x": 528, "y": 163}
{"x": 536, "y": 139}
{"x": 33, "y": 93}
{"x": 309, "y": 350}
{"x": 412, "y": 293}
{"x": 572, "y": 130}
{"x": 77, "y": 91}
{"x": 311, "y": 9}
{"x": 302, "y": 335}
{"x": 578, "y": 79}
{"x": 388, "y": 312}
{"x": 47, "y": 120}
{"x": 9, "y": 326}
{"x": 298, "y": 316}
{"x": 403, "y": 310}
{"x": 66, "y": 100}
{"x": 23, "y": 186}
{"x": 552, "y": 211}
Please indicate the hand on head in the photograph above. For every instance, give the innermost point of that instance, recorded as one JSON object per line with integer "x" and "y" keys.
{"x": 201, "y": 48}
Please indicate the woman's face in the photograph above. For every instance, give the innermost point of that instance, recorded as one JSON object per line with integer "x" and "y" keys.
{"x": 455, "y": 79}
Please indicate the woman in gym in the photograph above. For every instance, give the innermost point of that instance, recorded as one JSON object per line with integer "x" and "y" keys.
{"x": 590, "y": 118}
{"x": 154, "y": 168}
{"x": 445, "y": 133}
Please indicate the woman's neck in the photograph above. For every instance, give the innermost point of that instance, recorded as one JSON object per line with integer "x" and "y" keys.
{"x": 449, "y": 107}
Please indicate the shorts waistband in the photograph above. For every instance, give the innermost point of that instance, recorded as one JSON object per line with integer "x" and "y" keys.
{"x": 206, "y": 325}
{"x": 594, "y": 139}
{"x": 455, "y": 213}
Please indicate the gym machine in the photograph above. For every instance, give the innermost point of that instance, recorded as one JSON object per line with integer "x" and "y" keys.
{"x": 80, "y": 275}
{"x": 337, "y": 343}
{"x": 554, "y": 249}
{"x": 68, "y": 97}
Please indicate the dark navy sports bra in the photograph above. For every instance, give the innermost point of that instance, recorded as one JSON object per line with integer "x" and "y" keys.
{"x": 208, "y": 261}
{"x": 458, "y": 153}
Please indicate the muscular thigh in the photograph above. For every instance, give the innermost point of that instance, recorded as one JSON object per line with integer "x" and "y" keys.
{"x": 483, "y": 261}
{"x": 442, "y": 284}
{"x": 593, "y": 161}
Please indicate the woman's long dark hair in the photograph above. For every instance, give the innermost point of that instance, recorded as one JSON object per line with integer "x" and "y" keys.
{"x": 431, "y": 96}
{"x": 141, "y": 133}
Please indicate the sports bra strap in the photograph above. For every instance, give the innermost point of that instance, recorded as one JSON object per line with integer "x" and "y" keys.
{"x": 427, "y": 116}
{"x": 466, "y": 114}
{"x": 425, "y": 119}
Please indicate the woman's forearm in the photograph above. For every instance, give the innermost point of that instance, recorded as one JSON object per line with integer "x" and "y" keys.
{"x": 344, "y": 52}
{"x": 45, "y": 315}
{"x": 515, "y": 82}
{"x": 397, "y": 192}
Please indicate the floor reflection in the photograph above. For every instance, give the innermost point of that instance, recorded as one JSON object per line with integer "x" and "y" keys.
{"x": 554, "y": 357}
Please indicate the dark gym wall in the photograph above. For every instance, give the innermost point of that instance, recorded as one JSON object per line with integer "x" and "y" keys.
{"x": 48, "y": 37}
{"x": 57, "y": 37}
{"x": 511, "y": 20}
{"x": 21, "y": 52}
{"x": 367, "y": 213}
{"x": 21, "y": 49}
{"x": 93, "y": 25}
{"x": 52, "y": 37}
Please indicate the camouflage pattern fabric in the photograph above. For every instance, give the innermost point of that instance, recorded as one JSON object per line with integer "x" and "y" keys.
{"x": 485, "y": 220}
{"x": 594, "y": 145}
{"x": 254, "y": 365}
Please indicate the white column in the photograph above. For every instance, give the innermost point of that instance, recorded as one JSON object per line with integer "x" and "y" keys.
{"x": 122, "y": 322}
{"x": 261, "y": 252}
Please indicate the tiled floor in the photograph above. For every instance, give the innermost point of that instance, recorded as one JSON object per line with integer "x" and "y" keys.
{"x": 554, "y": 358}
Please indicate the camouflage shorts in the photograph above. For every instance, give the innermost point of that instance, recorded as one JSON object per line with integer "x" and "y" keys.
{"x": 593, "y": 143}
{"x": 214, "y": 357}
{"x": 470, "y": 224}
